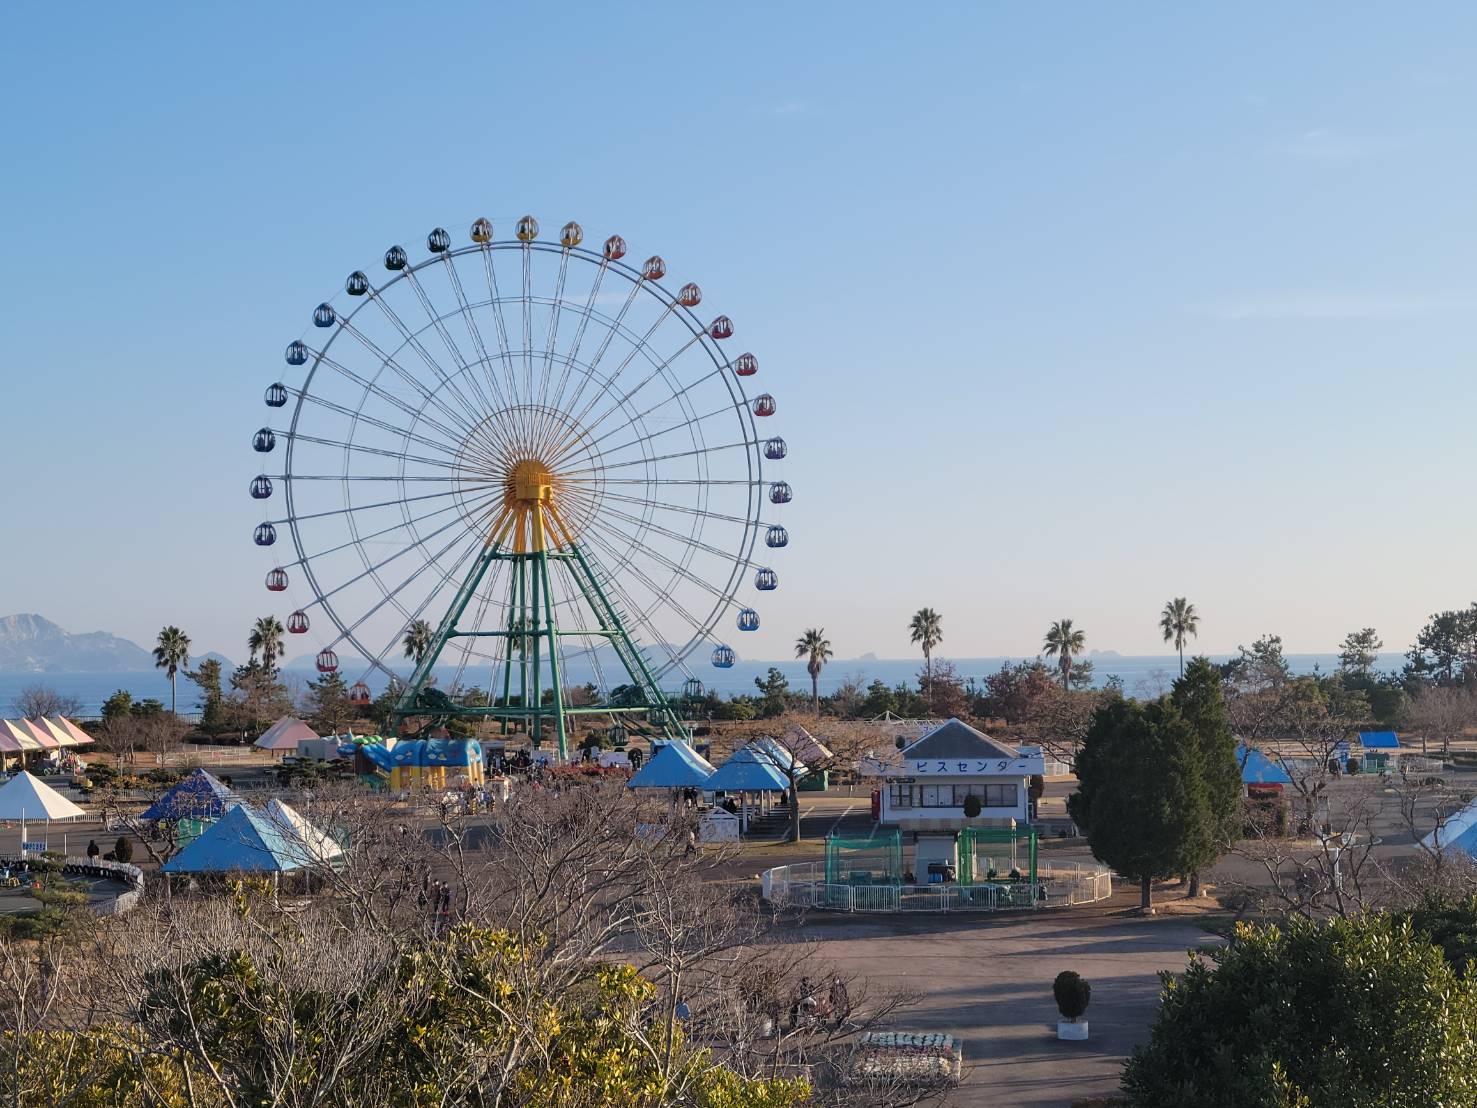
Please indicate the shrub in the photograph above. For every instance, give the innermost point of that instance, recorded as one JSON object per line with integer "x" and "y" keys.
{"x": 971, "y": 806}
{"x": 1353, "y": 766}
{"x": 1357, "y": 1013}
{"x": 1072, "y": 995}
{"x": 123, "y": 849}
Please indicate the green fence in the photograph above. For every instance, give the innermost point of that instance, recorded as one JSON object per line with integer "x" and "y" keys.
{"x": 992, "y": 853}
{"x": 874, "y": 861}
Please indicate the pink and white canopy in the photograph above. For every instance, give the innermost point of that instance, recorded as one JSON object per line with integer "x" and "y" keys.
{"x": 63, "y": 739}
{"x": 15, "y": 740}
{"x": 285, "y": 734}
{"x": 79, "y": 736}
{"x": 44, "y": 738}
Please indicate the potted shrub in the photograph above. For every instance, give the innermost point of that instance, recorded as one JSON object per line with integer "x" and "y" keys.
{"x": 1072, "y": 994}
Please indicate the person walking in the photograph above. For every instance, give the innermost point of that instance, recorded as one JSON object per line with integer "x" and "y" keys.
{"x": 92, "y": 850}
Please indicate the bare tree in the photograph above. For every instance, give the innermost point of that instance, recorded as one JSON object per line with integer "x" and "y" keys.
{"x": 36, "y": 700}
{"x": 1443, "y": 712}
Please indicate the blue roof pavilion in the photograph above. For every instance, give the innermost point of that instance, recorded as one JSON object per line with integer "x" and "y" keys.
{"x": 197, "y": 796}
{"x": 1379, "y": 740}
{"x": 1258, "y": 769}
{"x": 747, "y": 772}
{"x": 675, "y": 766}
{"x": 243, "y": 840}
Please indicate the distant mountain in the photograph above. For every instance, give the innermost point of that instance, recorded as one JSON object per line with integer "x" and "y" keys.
{"x": 226, "y": 664}
{"x": 31, "y": 644}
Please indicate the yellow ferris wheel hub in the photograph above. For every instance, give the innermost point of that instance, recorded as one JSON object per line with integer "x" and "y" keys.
{"x": 529, "y": 520}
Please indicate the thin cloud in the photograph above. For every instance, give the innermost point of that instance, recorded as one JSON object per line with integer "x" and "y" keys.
{"x": 1338, "y": 305}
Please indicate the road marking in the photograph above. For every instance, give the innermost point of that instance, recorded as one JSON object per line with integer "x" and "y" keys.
{"x": 839, "y": 818}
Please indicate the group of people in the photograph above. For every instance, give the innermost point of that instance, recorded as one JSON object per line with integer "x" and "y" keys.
{"x": 435, "y": 899}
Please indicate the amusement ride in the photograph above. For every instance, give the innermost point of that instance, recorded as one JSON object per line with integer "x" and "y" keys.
{"x": 527, "y": 463}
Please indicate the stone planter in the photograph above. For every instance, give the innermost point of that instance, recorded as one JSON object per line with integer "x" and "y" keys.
{"x": 1074, "y": 1030}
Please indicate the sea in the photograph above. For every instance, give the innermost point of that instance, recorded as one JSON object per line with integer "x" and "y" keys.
{"x": 1143, "y": 675}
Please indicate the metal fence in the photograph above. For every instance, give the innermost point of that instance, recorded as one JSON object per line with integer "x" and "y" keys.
{"x": 1058, "y": 885}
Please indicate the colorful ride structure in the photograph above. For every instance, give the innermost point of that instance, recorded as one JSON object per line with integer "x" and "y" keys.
{"x": 525, "y": 466}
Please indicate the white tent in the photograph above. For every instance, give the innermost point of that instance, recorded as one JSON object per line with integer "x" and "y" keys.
{"x": 320, "y": 846}
{"x": 26, "y": 797}
{"x": 1456, "y": 832}
{"x": 285, "y": 734}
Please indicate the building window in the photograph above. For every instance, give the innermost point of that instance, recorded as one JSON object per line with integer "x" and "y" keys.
{"x": 900, "y": 796}
{"x": 1001, "y": 796}
{"x": 938, "y": 796}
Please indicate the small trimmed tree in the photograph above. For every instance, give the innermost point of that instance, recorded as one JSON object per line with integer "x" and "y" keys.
{"x": 971, "y": 806}
{"x": 123, "y": 849}
{"x": 1200, "y": 700}
{"x": 1072, "y": 994}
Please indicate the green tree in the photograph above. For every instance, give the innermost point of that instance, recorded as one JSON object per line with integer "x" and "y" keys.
{"x": 207, "y": 678}
{"x": 118, "y": 706}
{"x": 1064, "y": 643}
{"x": 1179, "y": 622}
{"x": 773, "y": 687}
{"x": 172, "y": 654}
{"x": 328, "y": 704}
{"x": 879, "y": 701}
{"x": 1351, "y": 1013}
{"x": 266, "y": 639}
{"x": 1141, "y": 798}
{"x": 927, "y": 631}
{"x": 1199, "y": 697}
{"x": 1445, "y": 650}
{"x": 815, "y": 648}
{"x": 1359, "y": 651}
{"x": 418, "y": 640}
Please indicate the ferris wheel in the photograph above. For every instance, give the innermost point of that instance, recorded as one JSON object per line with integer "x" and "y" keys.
{"x": 526, "y": 468}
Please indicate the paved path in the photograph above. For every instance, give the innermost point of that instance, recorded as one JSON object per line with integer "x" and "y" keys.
{"x": 988, "y": 982}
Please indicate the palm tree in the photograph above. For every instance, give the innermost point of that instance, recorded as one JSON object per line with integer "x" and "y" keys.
{"x": 418, "y": 640}
{"x": 172, "y": 654}
{"x": 1063, "y": 643}
{"x": 266, "y": 640}
{"x": 815, "y": 648}
{"x": 1179, "y": 621}
{"x": 927, "y": 631}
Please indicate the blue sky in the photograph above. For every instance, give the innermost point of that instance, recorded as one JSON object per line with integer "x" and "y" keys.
{"x": 1069, "y": 309}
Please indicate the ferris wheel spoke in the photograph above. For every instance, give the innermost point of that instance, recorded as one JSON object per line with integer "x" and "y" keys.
{"x": 500, "y": 324}
{"x": 347, "y": 509}
{"x": 479, "y": 410}
{"x": 691, "y": 422}
{"x": 551, "y": 337}
{"x": 662, "y": 366}
{"x": 681, "y": 570}
{"x": 613, "y": 327}
{"x": 360, "y": 417}
{"x": 487, "y": 405}
{"x": 677, "y": 536}
{"x": 701, "y": 452}
{"x": 364, "y": 448}
{"x": 467, "y": 417}
{"x": 684, "y": 509}
{"x": 572, "y": 358}
{"x": 394, "y": 401}
{"x": 391, "y": 594}
{"x": 373, "y": 570}
{"x": 400, "y": 525}
{"x": 394, "y": 478}
{"x": 662, "y": 598}
{"x": 484, "y": 359}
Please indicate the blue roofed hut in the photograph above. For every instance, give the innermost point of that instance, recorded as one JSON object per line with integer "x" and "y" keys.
{"x": 675, "y": 766}
{"x": 748, "y": 771}
{"x": 197, "y": 796}
{"x": 243, "y": 840}
{"x": 1258, "y": 769}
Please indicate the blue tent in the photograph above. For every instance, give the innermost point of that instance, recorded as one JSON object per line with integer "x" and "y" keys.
{"x": 197, "y": 796}
{"x": 243, "y": 839}
{"x": 747, "y": 772}
{"x": 1379, "y": 740}
{"x": 1258, "y": 769}
{"x": 675, "y": 766}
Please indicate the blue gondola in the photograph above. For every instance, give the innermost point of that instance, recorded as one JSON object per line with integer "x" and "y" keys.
{"x": 692, "y": 689}
{"x": 357, "y": 284}
{"x": 723, "y": 657}
{"x": 775, "y": 448}
{"x": 324, "y": 315}
{"x": 766, "y": 580}
{"x": 781, "y": 493}
{"x": 263, "y": 442}
{"x": 297, "y": 352}
{"x": 748, "y": 619}
{"x": 261, "y": 487}
{"x": 276, "y": 395}
{"x": 264, "y": 535}
{"x": 776, "y": 537}
{"x": 395, "y": 258}
{"x": 438, "y": 241}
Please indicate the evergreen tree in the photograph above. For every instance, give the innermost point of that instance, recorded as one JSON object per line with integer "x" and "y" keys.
{"x": 1141, "y": 797}
{"x": 1200, "y": 700}
{"x": 207, "y": 677}
{"x": 328, "y": 700}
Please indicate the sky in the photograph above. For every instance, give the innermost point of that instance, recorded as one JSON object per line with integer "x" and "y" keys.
{"x": 1069, "y": 309}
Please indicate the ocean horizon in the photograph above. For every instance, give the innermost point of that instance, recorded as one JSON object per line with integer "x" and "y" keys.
{"x": 1142, "y": 675}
